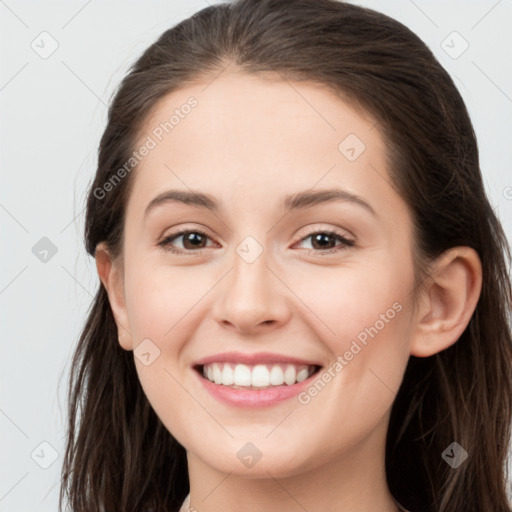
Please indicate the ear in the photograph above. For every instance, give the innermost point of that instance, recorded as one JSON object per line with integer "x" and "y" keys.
{"x": 111, "y": 274}
{"x": 448, "y": 301}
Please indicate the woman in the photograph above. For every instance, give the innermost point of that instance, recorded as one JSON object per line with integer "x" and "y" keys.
{"x": 304, "y": 290}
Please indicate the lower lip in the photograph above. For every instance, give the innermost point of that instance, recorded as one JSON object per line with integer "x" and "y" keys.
{"x": 252, "y": 397}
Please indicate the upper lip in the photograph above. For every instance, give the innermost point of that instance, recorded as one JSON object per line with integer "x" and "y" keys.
{"x": 251, "y": 359}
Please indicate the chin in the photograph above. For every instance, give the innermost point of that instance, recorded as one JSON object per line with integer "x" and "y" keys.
{"x": 249, "y": 461}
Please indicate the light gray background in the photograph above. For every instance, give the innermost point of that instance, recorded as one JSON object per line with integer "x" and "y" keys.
{"x": 53, "y": 112}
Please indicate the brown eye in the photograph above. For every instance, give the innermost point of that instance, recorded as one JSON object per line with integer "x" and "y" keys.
{"x": 325, "y": 241}
{"x": 192, "y": 240}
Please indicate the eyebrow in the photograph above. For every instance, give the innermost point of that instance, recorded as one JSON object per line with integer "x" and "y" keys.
{"x": 296, "y": 201}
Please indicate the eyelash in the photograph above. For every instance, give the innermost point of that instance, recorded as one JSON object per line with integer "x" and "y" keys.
{"x": 346, "y": 243}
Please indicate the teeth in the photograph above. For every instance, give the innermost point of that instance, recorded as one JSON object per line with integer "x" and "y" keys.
{"x": 256, "y": 376}
{"x": 217, "y": 374}
{"x": 260, "y": 376}
{"x": 276, "y": 375}
{"x": 290, "y": 375}
{"x": 228, "y": 376}
{"x": 302, "y": 374}
{"x": 242, "y": 375}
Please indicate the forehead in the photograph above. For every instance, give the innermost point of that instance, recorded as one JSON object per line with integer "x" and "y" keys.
{"x": 235, "y": 104}
{"x": 260, "y": 135}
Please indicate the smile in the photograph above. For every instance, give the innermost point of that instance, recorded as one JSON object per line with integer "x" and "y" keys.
{"x": 254, "y": 384}
{"x": 258, "y": 376}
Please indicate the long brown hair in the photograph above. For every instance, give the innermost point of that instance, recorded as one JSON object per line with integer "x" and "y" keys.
{"x": 119, "y": 456}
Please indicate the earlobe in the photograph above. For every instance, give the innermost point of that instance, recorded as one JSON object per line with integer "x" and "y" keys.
{"x": 448, "y": 302}
{"x": 111, "y": 276}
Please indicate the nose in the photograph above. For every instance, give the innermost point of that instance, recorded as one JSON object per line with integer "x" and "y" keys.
{"x": 252, "y": 298}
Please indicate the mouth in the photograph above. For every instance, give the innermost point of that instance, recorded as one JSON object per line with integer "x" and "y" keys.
{"x": 255, "y": 376}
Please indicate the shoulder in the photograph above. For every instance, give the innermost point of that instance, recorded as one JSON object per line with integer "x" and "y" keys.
{"x": 186, "y": 504}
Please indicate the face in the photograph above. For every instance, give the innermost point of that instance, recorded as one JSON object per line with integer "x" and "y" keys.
{"x": 304, "y": 264}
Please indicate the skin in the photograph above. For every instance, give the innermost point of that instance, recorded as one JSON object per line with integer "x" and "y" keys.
{"x": 250, "y": 142}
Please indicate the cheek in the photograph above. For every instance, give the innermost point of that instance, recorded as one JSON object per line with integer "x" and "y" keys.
{"x": 158, "y": 298}
{"x": 372, "y": 332}
{"x": 159, "y": 302}
{"x": 353, "y": 302}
